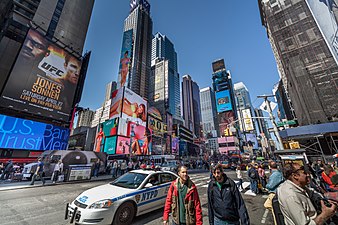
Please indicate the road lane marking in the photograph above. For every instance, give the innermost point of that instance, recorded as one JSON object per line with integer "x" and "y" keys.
{"x": 264, "y": 216}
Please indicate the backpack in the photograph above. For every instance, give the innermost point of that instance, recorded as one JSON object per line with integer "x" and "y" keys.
{"x": 277, "y": 211}
{"x": 252, "y": 174}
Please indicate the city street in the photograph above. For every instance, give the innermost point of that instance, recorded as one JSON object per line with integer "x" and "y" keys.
{"x": 46, "y": 205}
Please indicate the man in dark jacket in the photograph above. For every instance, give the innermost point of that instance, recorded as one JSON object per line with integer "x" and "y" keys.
{"x": 225, "y": 203}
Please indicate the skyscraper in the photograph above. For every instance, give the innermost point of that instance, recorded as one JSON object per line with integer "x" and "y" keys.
{"x": 208, "y": 112}
{"x": 85, "y": 118}
{"x": 244, "y": 107}
{"x": 110, "y": 87}
{"x": 191, "y": 105}
{"x": 140, "y": 24}
{"x": 303, "y": 37}
{"x": 164, "y": 83}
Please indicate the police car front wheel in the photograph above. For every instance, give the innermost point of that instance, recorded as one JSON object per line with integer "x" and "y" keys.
{"x": 124, "y": 214}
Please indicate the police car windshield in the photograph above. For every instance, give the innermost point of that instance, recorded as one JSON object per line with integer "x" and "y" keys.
{"x": 130, "y": 180}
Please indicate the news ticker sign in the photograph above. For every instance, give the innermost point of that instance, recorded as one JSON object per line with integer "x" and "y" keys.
{"x": 16, "y": 133}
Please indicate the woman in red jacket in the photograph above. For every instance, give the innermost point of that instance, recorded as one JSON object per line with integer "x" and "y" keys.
{"x": 183, "y": 201}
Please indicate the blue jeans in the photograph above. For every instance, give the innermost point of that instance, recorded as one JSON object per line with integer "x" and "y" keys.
{"x": 253, "y": 185}
{"x": 221, "y": 222}
{"x": 114, "y": 172}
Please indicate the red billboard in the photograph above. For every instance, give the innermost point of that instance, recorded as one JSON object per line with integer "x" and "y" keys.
{"x": 43, "y": 80}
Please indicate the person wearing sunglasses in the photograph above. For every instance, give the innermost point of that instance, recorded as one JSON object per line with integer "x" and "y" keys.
{"x": 294, "y": 200}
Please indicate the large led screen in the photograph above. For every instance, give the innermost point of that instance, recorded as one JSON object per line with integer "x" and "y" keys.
{"x": 223, "y": 101}
{"x": 116, "y": 103}
{"x": 251, "y": 140}
{"x": 125, "y": 59}
{"x": 110, "y": 145}
{"x": 43, "y": 80}
{"x": 175, "y": 145}
{"x": 248, "y": 124}
{"x": 134, "y": 108}
{"x": 16, "y": 133}
{"x": 323, "y": 13}
{"x": 218, "y": 65}
{"x": 122, "y": 146}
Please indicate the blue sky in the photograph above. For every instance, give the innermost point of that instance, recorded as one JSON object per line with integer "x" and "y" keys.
{"x": 201, "y": 31}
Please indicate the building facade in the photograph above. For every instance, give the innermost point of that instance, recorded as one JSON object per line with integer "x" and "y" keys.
{"x": 302, "y": 34}
{"x": 208, "y": 113}
{"x": 110, "y": 87}
{"x": 141, "y": 25}
{"x": 164, "y": 82}
{"x": 85, "y": 118}
{"x": 191, "y": 105}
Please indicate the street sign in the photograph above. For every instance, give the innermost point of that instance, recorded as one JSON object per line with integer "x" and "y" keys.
{"x": 288, "y": 122}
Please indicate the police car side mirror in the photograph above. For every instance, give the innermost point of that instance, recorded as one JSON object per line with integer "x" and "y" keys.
{"x": 148, "y": 185}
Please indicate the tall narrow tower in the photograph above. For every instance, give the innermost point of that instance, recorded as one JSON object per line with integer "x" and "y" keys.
{"x": 136, "y": 46}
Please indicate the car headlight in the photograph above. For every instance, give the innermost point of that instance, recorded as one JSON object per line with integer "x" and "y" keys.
{"x": 101, "y": 204}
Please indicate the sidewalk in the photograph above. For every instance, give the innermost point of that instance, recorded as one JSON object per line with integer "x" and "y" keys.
{"x": 7, "y": 185}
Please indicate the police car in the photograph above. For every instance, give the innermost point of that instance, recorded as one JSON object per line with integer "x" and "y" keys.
{"x": 134, "y": 193}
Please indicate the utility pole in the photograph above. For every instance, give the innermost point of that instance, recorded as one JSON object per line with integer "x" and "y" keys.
{"x": 272, "y": 119}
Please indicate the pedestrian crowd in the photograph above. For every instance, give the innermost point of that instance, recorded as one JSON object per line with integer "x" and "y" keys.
{"x": 10, "y": 171}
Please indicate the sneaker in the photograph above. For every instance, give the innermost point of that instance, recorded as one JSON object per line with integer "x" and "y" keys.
{"x": 53, "y": 182}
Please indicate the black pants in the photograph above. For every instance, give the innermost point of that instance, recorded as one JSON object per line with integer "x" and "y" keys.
{"x": 56, "y": 175}
{"x": 178, "y": 223}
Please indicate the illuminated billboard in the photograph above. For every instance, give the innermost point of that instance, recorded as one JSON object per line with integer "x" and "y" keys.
{"x": 251, "y": 140}
{"x": 218, "y": 65}
{"x": 156, "y": 126}
{"x": 223, "y": 101}
{"x": 248, "y": 124}
{"x": 16, "y": 133}
{"x": 125, "y": 59}
{"x": 110, "y": 145}
{"x": 43, "y": 80}
{"x": 116, "y": 103}
{"x": 323, "y": 12}
{"x": 122, "y": 146}
{"x": 175, "y": 145}
{"x": 134, "y": 107}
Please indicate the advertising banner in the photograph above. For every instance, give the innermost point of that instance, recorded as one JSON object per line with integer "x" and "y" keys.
{"x": 218, "y": 65}
{"x": 116, "y": 103}
{"x": 223, "y": 101}
{"x": 125, "y": 59}
{"x": 248, "y": 124}
{"x": 134, "y": 108}
{"x": 156, "y": 126}
{"x": 16, "y": 133}
{"x": 323, "y": 12}
{"x": 122, "y": 146}
{"x": 110, "y": 127}
{"x": 252, "y": 140}
{"x": 43, "y": 80}
{"x": 110, "y": 145}
{"x": 175, "y": 145}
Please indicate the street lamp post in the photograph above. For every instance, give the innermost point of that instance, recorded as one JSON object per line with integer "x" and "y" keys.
{"x": 272, "y": 119}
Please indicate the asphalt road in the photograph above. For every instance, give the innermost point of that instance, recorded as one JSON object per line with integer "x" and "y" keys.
{"x": 46, "y": 205}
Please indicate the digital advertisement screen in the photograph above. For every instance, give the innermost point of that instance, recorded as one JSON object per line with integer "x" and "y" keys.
{"x": 16, "y": 133}
{"x": 43, "y": 80}
{"x": 126, "y": 58}
{"x": 251, "y": 140}
{"x": 110, "y": 127}
{"x": 175, "y": 145}
{"x": 223, "y": 101}
{"x": 325, "y": 15}
{"x": 218, "y": 65}
{"x": 122, "y": 146}
{"x": 116, "y": 104}
{"x": 134, "y": 107}
{"x": 248, "y": 124}
{"x": 156, "y": 125}
{"x": 110, "y": 145}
